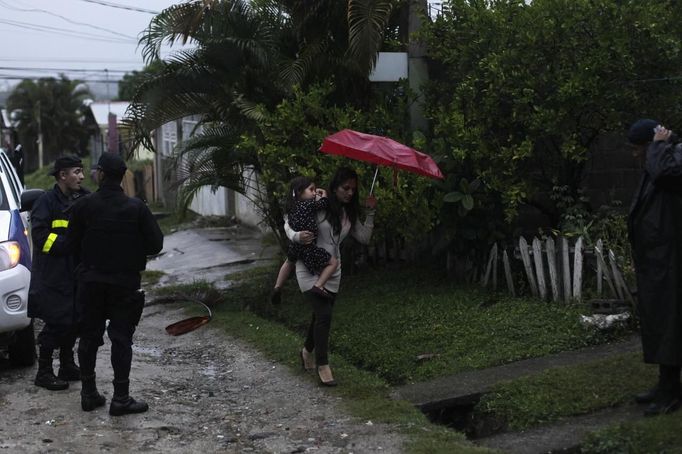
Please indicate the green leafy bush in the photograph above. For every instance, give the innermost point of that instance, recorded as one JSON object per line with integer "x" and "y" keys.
{"x": 293, "y": 133}
{"x": 520, "y": 91}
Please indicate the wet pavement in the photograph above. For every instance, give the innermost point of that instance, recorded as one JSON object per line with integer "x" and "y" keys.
{"x": 207, "y": 391}
{"x": 210, "y": 254}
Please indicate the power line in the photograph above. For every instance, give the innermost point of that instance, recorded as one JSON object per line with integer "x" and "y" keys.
{"x": 37, "y": 10}
{"x": 119, "y": 6}
{"x": 68, "y": 60}
{"x": 36, "y": 77}
{"x": 105, "y": 70}
{"x": 41, "y": 33}
{"x": 63, "y": 31}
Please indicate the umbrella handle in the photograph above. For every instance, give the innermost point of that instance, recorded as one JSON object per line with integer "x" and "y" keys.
{"x": 374, "y": 180}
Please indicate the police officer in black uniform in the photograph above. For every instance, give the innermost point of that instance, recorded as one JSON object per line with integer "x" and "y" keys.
{"x": 52, "y": 289}
{"x": 112, "y": 234}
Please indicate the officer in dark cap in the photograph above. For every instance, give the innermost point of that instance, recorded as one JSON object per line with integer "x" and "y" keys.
{"x": 112, "y": 234}
{"x": 654, "y": 226}
{"x": 52, "y": 289}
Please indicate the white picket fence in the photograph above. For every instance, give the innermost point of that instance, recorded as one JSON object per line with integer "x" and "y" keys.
{"x": 555, "y": 269}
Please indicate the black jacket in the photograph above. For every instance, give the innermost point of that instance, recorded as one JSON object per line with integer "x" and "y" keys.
{"x": 112, "y": 235}
{"x": 655, "y": 230}
{"x": 51, "y": 293}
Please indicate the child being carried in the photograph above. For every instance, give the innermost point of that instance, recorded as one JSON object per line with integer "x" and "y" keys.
{"x": 304, "y": 201}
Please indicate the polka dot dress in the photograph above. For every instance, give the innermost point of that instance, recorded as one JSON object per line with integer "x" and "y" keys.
{"x": 303, "y": 217}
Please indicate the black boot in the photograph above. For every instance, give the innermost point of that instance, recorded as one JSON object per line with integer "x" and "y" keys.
{"x": 122, "y": 403}
{"x": 45, "y": 377}
{"x": 646, "y": 397}
{"x": 68, "y": 370}
{"x": 667, "y": 397}
{"x": 90, "y": 398}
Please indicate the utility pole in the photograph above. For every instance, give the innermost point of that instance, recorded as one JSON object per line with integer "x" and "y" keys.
{"x": 417, "y": 69}
{"x": 40, "y": 135}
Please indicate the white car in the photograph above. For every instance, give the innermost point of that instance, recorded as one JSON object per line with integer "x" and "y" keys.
{"x": 16, "y": 329}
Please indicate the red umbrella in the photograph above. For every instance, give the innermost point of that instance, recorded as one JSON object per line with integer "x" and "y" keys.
{"x": 380, "y": 150}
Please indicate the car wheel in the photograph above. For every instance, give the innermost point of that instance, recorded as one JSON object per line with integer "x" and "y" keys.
{"x": 22, "y": 352}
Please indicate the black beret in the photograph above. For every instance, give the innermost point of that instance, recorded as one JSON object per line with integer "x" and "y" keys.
{"x": 112, "y": 164}
{"x": 642, "y": 131}
{"x": 65, "y": 162}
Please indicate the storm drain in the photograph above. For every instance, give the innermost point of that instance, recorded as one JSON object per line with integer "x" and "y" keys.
{"x": 459, "y": 414}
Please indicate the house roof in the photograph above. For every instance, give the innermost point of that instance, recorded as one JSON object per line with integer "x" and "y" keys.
{"x": 100, "y": 110}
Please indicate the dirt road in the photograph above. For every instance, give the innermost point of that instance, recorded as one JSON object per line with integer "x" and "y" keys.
{"x": 207, "y": 392}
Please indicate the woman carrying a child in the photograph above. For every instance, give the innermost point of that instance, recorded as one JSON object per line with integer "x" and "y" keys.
{"x": 335, "y": 222}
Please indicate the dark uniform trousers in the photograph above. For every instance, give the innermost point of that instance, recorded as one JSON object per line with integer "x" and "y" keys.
{"x": 120, "y": 305}
{"x": 58, "y": 337}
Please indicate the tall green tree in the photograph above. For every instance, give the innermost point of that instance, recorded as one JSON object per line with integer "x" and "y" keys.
{"x": 53, "y": 107}
{"x": 131, "y": 82}
{"x": 521, "y": 90}
{"x": 244, "y": 58}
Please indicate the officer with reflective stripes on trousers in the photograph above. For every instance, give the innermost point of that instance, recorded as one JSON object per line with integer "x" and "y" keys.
{"x": 51, "y": 295}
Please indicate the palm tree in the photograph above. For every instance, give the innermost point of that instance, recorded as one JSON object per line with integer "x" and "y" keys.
{"x": 53, "y": 107}
{"x": 244, "y": 59}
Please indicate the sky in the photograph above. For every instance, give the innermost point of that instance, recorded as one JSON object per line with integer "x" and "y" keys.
{"x": 80, "y": 38}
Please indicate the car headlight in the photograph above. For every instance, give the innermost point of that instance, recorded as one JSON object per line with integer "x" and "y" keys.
{"x": 10, "y": 253}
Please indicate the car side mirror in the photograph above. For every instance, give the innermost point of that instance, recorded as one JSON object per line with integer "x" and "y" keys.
{"x": 28, "y": 198}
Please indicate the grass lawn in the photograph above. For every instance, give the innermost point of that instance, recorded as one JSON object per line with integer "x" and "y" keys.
{"x": 568, "y": 391}
{"x": 661, "y": 434}
{"x": 384, "y": 319}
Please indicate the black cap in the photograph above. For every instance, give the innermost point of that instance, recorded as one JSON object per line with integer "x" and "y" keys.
{"x": 112, "y": 164}
{"x": 65, "y": 162}
{"x": 642, "y": 131}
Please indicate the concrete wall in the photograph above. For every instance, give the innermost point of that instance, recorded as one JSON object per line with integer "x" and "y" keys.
{"x": 245, "y": 210}
{"x": 210, "y": 203}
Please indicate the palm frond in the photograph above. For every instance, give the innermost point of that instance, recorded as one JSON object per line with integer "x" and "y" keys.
{"x": 367, "y": 21}
{"x": 295, "y": 71}
{"x": 250, "y": 109}
{"x": 173, "y": 24}
{"x": 211, "y": 158}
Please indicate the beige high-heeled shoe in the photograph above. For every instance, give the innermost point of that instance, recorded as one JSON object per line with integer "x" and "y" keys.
{"x": 309, "y": 364}
{"x": 329, "y": 383}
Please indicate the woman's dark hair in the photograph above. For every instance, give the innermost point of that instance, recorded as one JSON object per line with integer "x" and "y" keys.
{"x": 296, "y": 187}
{"x": 336, "y": 208}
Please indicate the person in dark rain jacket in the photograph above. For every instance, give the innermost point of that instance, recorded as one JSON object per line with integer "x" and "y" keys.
{"x": 52, "y": 289}
{"x": 112, "y": 235}
{"x": 655, "y": 231}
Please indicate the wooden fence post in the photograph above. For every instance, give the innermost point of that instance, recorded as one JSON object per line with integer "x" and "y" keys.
{"x": 551, "y": 265}
{"x": 578, "y": 269}
{"x": 489, "y": 267}
{"x": 539, "y": 268}
{"x": 566, "y": 268}
{"x": 507, "y": 273}
{"x": 600, "y": 268}
{"x": 525, "y": 257}
{"x": 618, "y": 279}
{"x": 607, "y": 275}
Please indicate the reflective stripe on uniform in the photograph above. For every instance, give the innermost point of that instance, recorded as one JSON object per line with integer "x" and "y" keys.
{"x": 51, "y": 238}
{"x": 60, "y": 223}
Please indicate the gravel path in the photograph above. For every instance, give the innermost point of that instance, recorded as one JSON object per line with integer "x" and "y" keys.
{"x": 207, "y": 392}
